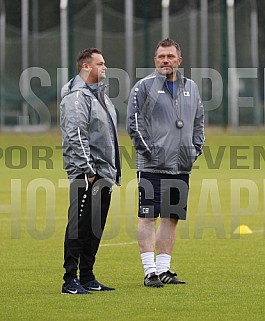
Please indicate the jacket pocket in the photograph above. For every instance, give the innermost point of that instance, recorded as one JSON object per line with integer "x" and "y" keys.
{"x": 187, "y": 156}
{"x": 158, "y": 157}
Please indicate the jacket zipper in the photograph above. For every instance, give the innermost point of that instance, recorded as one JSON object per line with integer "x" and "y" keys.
{"x": 175, "y": 108}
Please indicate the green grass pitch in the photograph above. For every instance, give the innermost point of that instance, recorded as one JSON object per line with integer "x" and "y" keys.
{"x": 224, "y": 271}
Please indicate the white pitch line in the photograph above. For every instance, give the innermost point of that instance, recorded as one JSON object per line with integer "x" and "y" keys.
{"x": 119, "y": 244}
{"x": 258, "y": 231}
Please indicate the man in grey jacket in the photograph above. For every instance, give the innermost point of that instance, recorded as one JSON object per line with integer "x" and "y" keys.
{"x": 92, "y": 162}
{"x": 165, "y": 121}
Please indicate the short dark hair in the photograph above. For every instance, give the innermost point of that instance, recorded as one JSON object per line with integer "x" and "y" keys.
{"x": 168, "y": 43}
{"x": 85, "y": 55}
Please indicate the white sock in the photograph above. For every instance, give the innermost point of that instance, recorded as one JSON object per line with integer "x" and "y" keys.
{"x": 162, "y": 263}
{"x": 148, "y": 260}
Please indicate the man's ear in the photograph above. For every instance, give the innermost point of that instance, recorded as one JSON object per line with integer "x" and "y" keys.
{"x": 86, "y": 66}
{"x": 180, "y": 60}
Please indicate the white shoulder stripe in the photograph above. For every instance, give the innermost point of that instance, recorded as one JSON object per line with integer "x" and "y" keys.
{"x": 148, "y": 77}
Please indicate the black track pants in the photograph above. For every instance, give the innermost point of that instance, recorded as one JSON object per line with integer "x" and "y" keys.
{"x": 87, "y": 214}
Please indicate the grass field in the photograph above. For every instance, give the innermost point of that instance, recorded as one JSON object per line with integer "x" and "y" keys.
{"x": 224, "y": 271}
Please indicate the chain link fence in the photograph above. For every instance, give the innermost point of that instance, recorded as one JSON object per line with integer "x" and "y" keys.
{"x": 185, "y": 28}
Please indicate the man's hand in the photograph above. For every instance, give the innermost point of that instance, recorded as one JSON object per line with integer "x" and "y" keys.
{"x": 91, "y": 179}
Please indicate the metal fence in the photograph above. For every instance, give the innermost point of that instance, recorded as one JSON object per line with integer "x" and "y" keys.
{"x": 213, "y": 48}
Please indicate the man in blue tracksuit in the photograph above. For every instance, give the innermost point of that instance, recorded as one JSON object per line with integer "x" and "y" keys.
{"x": 92, "y": 162}
{"x": 165, "y": 120}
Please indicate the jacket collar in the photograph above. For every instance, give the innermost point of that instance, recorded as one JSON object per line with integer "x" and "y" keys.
{"x": 163, "y": 78}
{"x": 78, "y": 82}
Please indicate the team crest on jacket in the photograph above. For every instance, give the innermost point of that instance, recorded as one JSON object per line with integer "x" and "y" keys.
{"x": 95, "y": 190}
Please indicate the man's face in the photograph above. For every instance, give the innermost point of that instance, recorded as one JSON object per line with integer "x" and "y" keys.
{"x": 96, "y": 68}
{"x": 167, "y": 60}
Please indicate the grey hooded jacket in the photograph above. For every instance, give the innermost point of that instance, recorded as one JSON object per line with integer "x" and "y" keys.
{"x": 89, "y": 131}
{"x": 152, "y": 113}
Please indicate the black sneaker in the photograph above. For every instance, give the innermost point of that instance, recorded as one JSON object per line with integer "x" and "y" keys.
{"x": 74, "y": 287}
{"x": 152, "y": 280}
{"x": 96, "y": 286}
{"x": 170, "y": 278}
